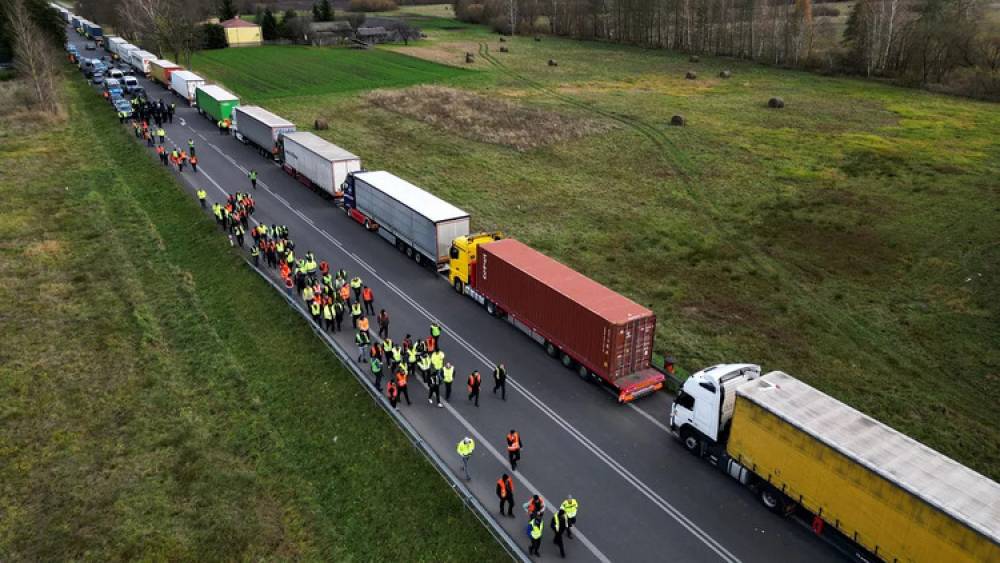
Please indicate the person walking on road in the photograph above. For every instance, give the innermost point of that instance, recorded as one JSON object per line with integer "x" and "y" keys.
{"x": 434, "y": 388}
{"x": 255, "y": 253}
{"x": 338, "y": 314}
{"x": 194, "y": 163}
{"x": 253, "y": 178}
{"x": 376, "y": 367}
{"x": 513, "y": 448}
{"x": 500, "y": 380}
{"x": 505, "y": 492}
{"x": 535, "y": 506}
{"x": 355, "y": 313}
{"x": 475, "y": 381}
{"x": 447, "y": 376}
{"x": 202, "y": 194}
{"x": 368, "y": 298}
{"x": 356, "y": 288}
{"x": 162, "y": 135}
{"x": 392, "y": 391}
{"x": 401, "y": 382}
{"x": 436, "y": 334}
{"x": 559, "y": 525}
{"x": 465, "y": 449}
{"x": 570, "y": 506}
{"x": 535, "y": 528}
{"x": 383, "y": 324}
{"x": 191, "y": 146}
{"x": 361, "y": 340}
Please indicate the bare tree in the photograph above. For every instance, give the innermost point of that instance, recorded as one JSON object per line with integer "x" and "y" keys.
{"x": 33, "y": 56}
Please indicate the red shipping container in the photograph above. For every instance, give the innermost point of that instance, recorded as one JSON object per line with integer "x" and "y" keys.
{"x": 609, "y": 334}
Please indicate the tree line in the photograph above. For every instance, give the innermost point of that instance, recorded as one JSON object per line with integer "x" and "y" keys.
{"x": 948, "y": 44}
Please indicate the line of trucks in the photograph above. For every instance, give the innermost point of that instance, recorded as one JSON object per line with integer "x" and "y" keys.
{"x": 872, "y": 491}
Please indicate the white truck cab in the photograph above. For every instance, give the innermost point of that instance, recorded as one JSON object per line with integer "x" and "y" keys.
{"x": 700, "y": 414}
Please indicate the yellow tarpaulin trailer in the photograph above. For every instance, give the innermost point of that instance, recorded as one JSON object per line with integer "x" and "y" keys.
{"x": 894, "y": 496}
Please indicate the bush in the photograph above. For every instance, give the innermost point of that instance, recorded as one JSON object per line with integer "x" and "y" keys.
{"x": 500, "y": 24}
{"x": 823, "y": 10}
{"x": 373, "y": 5}
{"x": 472, "y": 13}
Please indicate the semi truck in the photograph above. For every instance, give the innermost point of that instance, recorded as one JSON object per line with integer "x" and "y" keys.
{"x": 139, "y": 60}
{"x": 215, "y": 102}
{"x": 316, "y": 162}
{"x": 160, "y": 71}
{"x": 416, "y": 222}
{"x": 124, "y": 53}
{"x": 602, "y": 335}
{"x": 260, "y": 128}
{"x": 93, "y": 31}
{"x": 870, "y": 490}
{"x": 184, "y": 83}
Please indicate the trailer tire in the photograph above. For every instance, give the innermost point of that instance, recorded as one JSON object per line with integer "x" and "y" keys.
{"x": 551, "y": 349}
{"x": 772, "y": 499}
{"x": 409, "y": 250}
{"x": 491, "y": 308}
{"x": 459, "y": 286}
{"x": 418, "y": 258}
{"x": 566, "y": 360}
{"x": 584, "y": 373}
{"x": 368, "y": 225}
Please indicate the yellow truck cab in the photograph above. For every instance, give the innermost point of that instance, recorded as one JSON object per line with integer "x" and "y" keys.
{"x": 462, "y": 257}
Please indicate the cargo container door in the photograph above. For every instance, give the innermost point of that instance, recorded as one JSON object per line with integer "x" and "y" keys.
{"x": 631, "y": 346}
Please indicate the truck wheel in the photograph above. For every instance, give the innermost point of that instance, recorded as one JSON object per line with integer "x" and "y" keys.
{"x": 691, "y": 441}
{"x": 551, "y": 349}
{"x": 772, "y": 499}
{"x": 368, "y": 225}
{"x": 418, "y": 258}
{"x": 491, "y": 308}
{"x": 408, "y": 250}
{"x": 584, "y": 373}
{"x": 566, "y": 360}
{"x": 458, "y": 286}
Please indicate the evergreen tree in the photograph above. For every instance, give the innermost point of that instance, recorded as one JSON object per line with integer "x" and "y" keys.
{"x": 226, "y": 10}
{"x": 317, "y": 16}
{"x": 269, "y": 26}
{"x": 325, "y": 11}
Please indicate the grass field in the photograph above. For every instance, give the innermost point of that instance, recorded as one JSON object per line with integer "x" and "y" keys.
{"x": 849, "y": 239}
{"x": 160, "y": 402}
{"x": 315, "y": 70}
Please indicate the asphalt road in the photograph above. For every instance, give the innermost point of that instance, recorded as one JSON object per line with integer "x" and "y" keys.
{"x": 642, "y": 497}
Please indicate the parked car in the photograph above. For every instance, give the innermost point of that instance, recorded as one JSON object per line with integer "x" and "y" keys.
{"x": 114, "y": 88}
{"x": 116, "y": 74}
{"x": 91, "y": 47}
{"x": 97, "y": 78}
{"x": 138, "y": 92}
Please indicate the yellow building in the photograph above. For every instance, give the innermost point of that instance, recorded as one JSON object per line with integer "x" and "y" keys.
{"x": 240, "y": 33}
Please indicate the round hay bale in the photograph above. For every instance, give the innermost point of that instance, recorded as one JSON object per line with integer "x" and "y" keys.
{"x": 538, "y": 38}
{"x": 691, "y": 75}
{"x": 725, "y": 74}
{"x": 321, "y": 124}
{"x": 504, "y": 49}
{"x": 503, "y": 39}
{"x": 694, "y": 59}
{"x": 678, "y": 121}
{"x": 470, "y": 58}
{"x": 776, "y": 103}
{"x": 552, "y": 62}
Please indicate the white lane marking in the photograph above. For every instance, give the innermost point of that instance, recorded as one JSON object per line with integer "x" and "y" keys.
{"x": 613, "y": 464}
{"x": 650, "y": 418}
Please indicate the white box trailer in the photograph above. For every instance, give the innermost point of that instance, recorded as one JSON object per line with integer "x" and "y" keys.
{"x": 139, "y": 60}
{"x": 257, "y": 126}
{"x": 123, "y": 51}
{"x": 184, "y": 82}
{"x": 316, "y": 162}
{"x": 112, "y": 41}
{"x": 415, "y": 221}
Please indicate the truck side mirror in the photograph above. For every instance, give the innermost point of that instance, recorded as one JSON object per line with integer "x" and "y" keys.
{"x": 453, "y": 252}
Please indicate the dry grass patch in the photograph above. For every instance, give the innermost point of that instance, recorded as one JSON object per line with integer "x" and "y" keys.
{"x": 489, "y": 120}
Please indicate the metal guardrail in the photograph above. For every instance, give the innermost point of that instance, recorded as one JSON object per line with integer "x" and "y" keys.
{"x": 484, "y": 515}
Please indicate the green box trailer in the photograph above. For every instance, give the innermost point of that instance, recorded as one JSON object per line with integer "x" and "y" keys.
{"x": 216, "y": 103}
